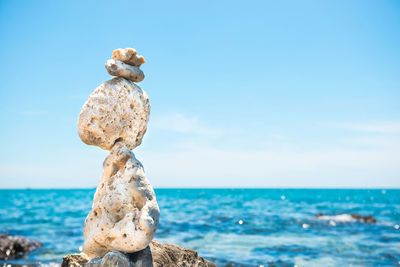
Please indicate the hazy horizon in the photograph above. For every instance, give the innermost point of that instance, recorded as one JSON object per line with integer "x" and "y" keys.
{"x": 216, "y": 188}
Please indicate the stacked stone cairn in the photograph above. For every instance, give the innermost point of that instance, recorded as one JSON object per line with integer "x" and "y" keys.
{"x": 124, "y": 216}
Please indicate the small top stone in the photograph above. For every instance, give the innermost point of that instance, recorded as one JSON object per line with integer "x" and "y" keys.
{"x": 118, "y": 68}
{"x": 129, "y": 56}
{"x": 126, "y": 63}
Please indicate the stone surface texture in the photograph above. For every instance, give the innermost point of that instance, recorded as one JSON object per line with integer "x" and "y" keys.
{"x": 118, "y": 110}
{"x": 116, "y": 67}
{"x": 124, "y": 217}
{"x": 129, "y": 56}
{"x": 155, "y": 255}
{"x": 165, "y": 254}
{"x": 125, "y": 213}
{"x": 115, "y": 258}
{"x": 75, "y": 260}
{"x": 14, "y": 247}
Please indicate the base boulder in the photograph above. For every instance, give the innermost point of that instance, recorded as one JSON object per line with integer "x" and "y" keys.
{"x": 155, "y": 255}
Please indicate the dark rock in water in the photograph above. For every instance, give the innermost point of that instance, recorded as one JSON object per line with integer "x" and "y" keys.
{"x": 14, "y": 247}
{"x": 156, "y": 255}
{"x": 364, "y": 219}
{"x": 359, "y": 218}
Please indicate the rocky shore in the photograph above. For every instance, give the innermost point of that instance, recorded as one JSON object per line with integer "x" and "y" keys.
{"x": 155, "y": 255}
{"x": 14, "y": 247}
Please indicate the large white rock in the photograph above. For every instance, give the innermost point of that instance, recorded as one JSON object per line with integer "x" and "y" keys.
{"x": 118, "y": 110}
{"x": 125, "y": 213}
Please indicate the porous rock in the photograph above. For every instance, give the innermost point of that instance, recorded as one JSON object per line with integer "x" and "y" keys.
{"x": 129, "y": 56}
{"x": 165, "y": 254}
{"x": 14, "y": 247}
{"x": 155, "y": 255}
{"x": 116, "y": 67}
{"x": 118, "y": 110}
{"x": 125, "y": 213}
{"x": 75, "y": 260}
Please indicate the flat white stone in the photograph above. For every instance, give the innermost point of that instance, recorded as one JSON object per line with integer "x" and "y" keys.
{"x": 116, "y": 67}
{"x": 125, "y": 213}
{"x": 118, "y": 110}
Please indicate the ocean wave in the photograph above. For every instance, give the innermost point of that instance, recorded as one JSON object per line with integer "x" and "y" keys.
{"x": 51, "y": 264}
{"x": 231, "y": 227}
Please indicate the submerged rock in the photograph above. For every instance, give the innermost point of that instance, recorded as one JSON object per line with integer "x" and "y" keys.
{"x": 155, "y": 255}
{"x": 347, "y": 218}
{"x": 14, "y": 247}
{"x": 364, "y": 219}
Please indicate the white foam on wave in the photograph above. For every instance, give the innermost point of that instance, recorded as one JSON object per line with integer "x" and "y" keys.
{"x": 337, "y": 218}
{"x": 51, "y": 264}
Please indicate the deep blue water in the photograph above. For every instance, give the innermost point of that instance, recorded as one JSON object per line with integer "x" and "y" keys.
{"x": 232, "y": 227}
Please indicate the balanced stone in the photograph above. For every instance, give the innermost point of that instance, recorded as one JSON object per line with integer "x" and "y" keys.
{"x": 120, "y": 227}
{"x": 125, "y": 213}
{"x": 115, "y": 259}
{"x": 129, "y": 56}
{"x": 118, "y": 110}
{"x": 116, "y": 67}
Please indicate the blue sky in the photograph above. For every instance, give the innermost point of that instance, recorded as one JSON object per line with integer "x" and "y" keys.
{"x": 244, "y": 94}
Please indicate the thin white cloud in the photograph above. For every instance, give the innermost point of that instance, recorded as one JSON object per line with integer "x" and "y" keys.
{"x": 360, "y": 161}
{"x": 202, "y": 166}
{"x": 205, "y": 165}
{"x": 380, "y": 141}
{"x": 383, "y": 127}
{"x": 178, "y": 122}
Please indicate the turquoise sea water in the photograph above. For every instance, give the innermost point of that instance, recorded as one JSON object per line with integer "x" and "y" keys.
{"x": 232, "y": 227}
